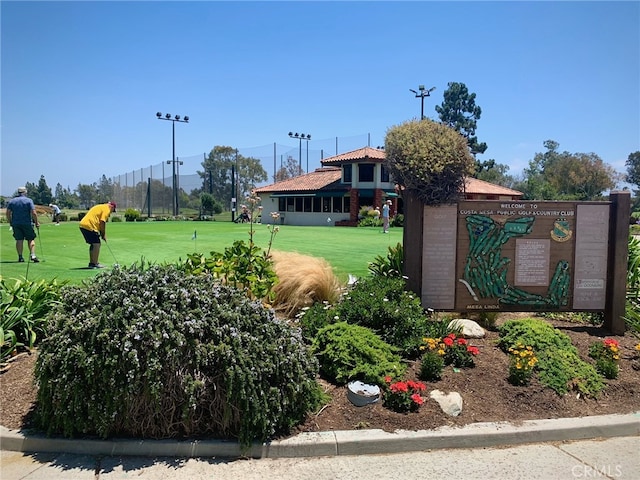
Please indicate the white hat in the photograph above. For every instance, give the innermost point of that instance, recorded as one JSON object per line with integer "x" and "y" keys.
{"x": 22, "y": 189}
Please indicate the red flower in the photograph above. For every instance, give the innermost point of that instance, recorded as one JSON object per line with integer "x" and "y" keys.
{"x": 416, "y": 385}
{"x": 462, "y": 341}
{"x": 387, "y": 379}
{"x": 452, "y": 336}
{"x": 417, "y": 398}
{"x": 448, "y": 341}
{"x": 610, "y": 342}
{"x": 399, "y": 387}
{"x": 473, "y": 350}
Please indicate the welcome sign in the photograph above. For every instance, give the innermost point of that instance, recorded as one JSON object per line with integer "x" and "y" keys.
{"x": 515, "y": 256}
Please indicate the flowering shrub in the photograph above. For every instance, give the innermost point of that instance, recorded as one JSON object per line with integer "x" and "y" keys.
{"x": 403, "y": 396}
{"x": 636, "y": 359}
{"x": 158, "y": 353}
{"x": 522, "y": 361}
{"x": 458, "y": 352}
{"x": 432, "y": 361}
{"x": 606, "y": 353}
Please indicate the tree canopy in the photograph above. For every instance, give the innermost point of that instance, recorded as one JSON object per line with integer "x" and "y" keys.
{"x": 460, "y": 112}
{"x": 290, "y": 169}
{"x": 633, "y": 169}
{"x": 217, "y": 169}
{"x": 430, "y": 159}
{"x": 555, "y": 175}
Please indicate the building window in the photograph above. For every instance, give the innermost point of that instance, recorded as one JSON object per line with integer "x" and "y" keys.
{"x": 346, "y": 173}
{"x": 384, "y": 175}
{"x": 317, "y": 204}
{"x": 346, "y": 203}
{"x": 365, "y": 172}
{"x": 307, "y": 204}
{"x": 282, "y": 204}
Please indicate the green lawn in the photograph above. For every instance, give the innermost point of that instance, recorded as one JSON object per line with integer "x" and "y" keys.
{"x": 65, "y": 256}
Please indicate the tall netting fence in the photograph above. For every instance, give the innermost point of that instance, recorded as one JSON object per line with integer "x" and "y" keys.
{"x": 151, "y": 190}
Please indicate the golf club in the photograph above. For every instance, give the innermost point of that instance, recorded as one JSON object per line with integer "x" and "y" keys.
{"x": 26, "y": 277}
{"x": 40, "y": 244}
{"x": 114, "y": 257}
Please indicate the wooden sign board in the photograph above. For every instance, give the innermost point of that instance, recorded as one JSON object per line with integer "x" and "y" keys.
{"x": 486, "y": 255}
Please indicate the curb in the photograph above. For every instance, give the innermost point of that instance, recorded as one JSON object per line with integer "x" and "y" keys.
{"x": 342, "y": 442}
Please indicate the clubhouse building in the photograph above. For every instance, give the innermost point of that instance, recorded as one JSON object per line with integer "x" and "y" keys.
{"x": 335, "y": 193}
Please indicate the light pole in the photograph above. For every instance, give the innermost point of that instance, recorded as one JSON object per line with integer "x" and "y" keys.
{"x": 301, "y": 137}
{"x": 173, "y": 161}
{"x": 423, "y": 93}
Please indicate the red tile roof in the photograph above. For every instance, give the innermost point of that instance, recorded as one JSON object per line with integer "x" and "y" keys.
{"x": 366, "y": 154}
{"x": 328, "y": 178}
{"x": 476, "y": 186}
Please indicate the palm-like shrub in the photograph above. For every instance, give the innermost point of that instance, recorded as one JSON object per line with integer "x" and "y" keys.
{"x": 158, "y": 353}
{"x": 632, "y": 310}
{"x": 24, "y": 305}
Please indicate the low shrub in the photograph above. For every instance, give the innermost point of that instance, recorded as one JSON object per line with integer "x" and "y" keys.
{"x": 382, "y": 304}
{"x": 431, "y": 365}
{"x": 158, "y": 353}
{"x": 397, "y": 220}
{"x": 131, "y": 215}
{"x": 312, "y": 319}
{"x": 559, "y": 365}
{"x": 352, "y": 352}
{"x": 115, "y": 218}
{"x": 81, "y": 215}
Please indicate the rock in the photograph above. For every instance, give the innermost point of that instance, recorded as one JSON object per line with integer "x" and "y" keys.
{"x": 451, "y": 403}
{"x": 470, "y": 329}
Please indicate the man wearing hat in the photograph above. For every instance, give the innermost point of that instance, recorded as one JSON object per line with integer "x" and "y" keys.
{"x": 94, "y": 227}
{"x": 385, "y": 216}
{"x": 21, "y": 215}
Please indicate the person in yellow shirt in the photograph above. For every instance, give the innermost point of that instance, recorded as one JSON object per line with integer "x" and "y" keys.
{"x": 94, "y": 227}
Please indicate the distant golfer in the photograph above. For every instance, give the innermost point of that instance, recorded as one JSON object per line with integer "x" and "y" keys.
{"x": 385, "y": 216}
{"x": 94, "y": 227}
{"x": 21, "y": 215}
{"x": 55, "y": 216}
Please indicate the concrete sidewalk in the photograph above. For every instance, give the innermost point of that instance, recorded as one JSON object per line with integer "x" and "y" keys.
{"x": 336, "y": 443}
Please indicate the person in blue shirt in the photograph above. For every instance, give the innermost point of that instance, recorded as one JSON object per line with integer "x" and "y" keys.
{"x": 21, "y": 215}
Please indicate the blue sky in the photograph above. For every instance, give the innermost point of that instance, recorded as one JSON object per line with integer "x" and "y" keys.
{"x": 81, "y": 81}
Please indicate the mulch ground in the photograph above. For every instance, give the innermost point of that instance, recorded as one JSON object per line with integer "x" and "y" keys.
{"x": 487, "y": 395}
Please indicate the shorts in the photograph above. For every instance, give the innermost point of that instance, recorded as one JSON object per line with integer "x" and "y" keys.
{"x": 89, "y": 236}
{"x": 24, "y": 232}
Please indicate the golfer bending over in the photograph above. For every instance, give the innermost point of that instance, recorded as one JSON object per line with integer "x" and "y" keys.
{"x": 94, "y": 227}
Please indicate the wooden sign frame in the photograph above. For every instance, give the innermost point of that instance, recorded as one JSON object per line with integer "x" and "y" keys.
{"x": 520, "y": 255}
